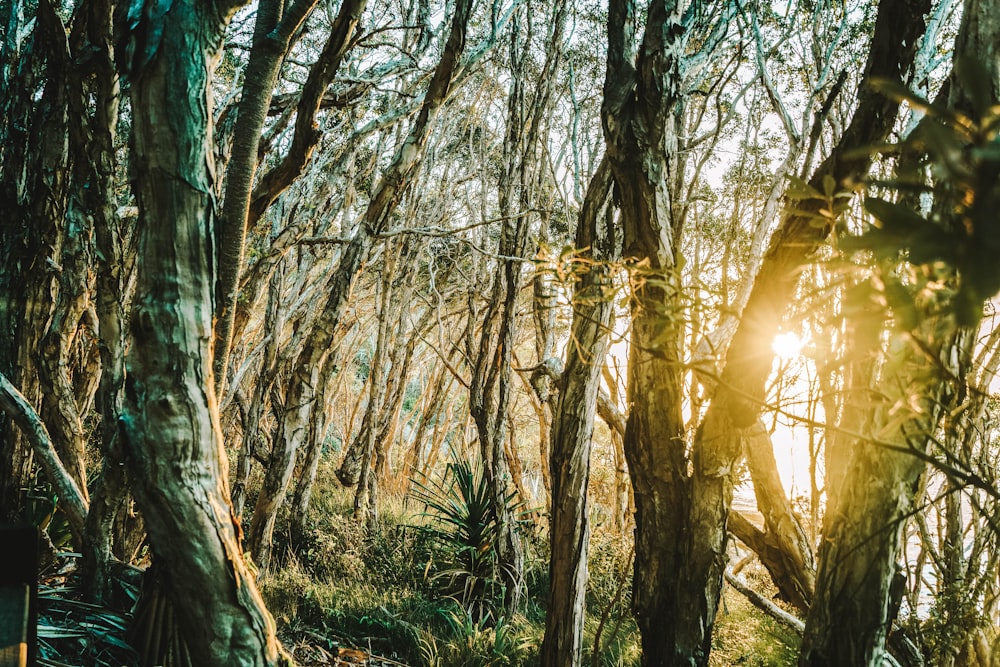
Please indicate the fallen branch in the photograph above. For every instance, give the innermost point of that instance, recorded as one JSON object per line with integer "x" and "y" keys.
{"x": 74, "y": 505}
{"x": 765, "y": 605}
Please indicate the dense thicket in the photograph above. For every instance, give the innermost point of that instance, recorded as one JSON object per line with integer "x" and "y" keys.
{"x": 247, "y": 243}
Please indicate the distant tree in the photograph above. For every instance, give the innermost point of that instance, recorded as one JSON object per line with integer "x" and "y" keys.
{"x": 300, "y": 396}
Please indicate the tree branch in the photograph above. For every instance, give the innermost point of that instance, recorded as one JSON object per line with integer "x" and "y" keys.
{"x": 21, "y": 413}
{"x": 765, "y": 605}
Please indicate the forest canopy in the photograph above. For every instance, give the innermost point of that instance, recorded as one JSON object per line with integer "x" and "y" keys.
{"x": 507, "y": 332}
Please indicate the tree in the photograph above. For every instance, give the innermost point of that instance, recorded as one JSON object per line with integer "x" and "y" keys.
{"x": 923, "y": 379}
{"x": 573, "y": 430}
{"x": 301, "y": 388}
{"x": 642, "y": 112}
{"x": 170, "y": 420}
{"x": 275, "y": 29}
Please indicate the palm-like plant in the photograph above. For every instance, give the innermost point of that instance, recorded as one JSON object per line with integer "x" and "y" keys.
{"x": 464, "y": 522}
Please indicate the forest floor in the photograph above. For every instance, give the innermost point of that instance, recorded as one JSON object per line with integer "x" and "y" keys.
{"x": 73, "y": 633}
{"x": 347, "y": 596}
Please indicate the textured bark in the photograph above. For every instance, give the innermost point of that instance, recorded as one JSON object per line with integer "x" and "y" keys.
{"x": 740, "y": 393}
{"x": 92, "y": 134}
{"x": 858, "y": 583}
{"x": 33, "y": 192}
{"x": 791, "y": 563}
{"x": 573, "y": 428}
{"x": 641, "y": 100}
{"x": 170, "y": 421}
{"x": 274, "y": 32}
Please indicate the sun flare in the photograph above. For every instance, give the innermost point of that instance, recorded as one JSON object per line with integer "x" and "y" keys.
{"x": 787, "y": 345}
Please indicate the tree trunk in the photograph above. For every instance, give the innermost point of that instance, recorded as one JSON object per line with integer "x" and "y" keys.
{"x": 33, "y": 192}
{"x": 274, "y": 32}
{"x": 858, "y": 584}
{"x": 95, "y": 136}
{"x": 640, "y": 112}
{"x": 740, "y": 392}
{"x": 607, "y": 409}
{"x": 274, "y": 322}
{"x": 310, "y": 465}
{"x": 574, "y": 425}
{"x": 278, "y": 469}
{"x": 170, "y": 421}
{"x": 792, "y": 568}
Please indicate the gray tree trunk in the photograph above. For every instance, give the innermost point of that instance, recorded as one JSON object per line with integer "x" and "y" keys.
{"x": 573, "y": 428}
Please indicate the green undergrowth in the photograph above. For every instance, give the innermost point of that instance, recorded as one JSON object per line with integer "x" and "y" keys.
{"x": 341, "y": 585}
{"x": 746, "y": 636}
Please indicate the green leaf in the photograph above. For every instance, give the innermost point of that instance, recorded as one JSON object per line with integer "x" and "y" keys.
{"x": 975, "y": 81}
{"x": 829, "y": 185}
{"x": 894, "y": 89}
{"x": 799, "y": 189}
{"x": 903, "y": 229}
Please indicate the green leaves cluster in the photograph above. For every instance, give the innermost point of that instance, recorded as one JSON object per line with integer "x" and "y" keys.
{"x": 956, "y": 240}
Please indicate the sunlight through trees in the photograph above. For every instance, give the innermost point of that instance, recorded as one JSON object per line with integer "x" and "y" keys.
{"x": 504, "y": 332}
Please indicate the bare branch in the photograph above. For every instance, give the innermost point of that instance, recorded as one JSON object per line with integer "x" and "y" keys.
{"x": 20, "y": 411}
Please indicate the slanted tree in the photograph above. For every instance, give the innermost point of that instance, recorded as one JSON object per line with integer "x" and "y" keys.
{"x": 300, "y": 393}
{"x": 923, "y": 380}
{"x": 170, "y": 419}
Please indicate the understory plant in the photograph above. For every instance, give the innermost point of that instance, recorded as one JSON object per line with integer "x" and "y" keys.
{"x": 463, "y": 525}
{"x": 478, "y": 643}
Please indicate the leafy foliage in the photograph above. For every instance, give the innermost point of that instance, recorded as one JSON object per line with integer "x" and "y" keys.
{"x": 957, "y": 240}
{"x": 41, "y": 509}
{"x": 478, "y": 643}
{"x": 72, "y": 630}
{"x": 464, "y": 523}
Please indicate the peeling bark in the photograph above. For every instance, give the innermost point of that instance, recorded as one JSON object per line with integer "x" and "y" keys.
{"x": 573, "y": 427}
{"x": 170, "y": 421}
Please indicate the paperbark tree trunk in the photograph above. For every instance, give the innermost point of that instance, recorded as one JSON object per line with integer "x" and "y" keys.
{"x": 858, "y": 583}
{"x": 170, "y": 421}
{"x": 573, "y": 427}
{"x": 93, "y": 133}
{"x": 34, "y": 194}
{"x": 642, "y": 99}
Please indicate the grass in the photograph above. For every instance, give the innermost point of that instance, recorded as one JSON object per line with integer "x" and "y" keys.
{"x": 343, "y": 587}
{"x": 746, "y": 636}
